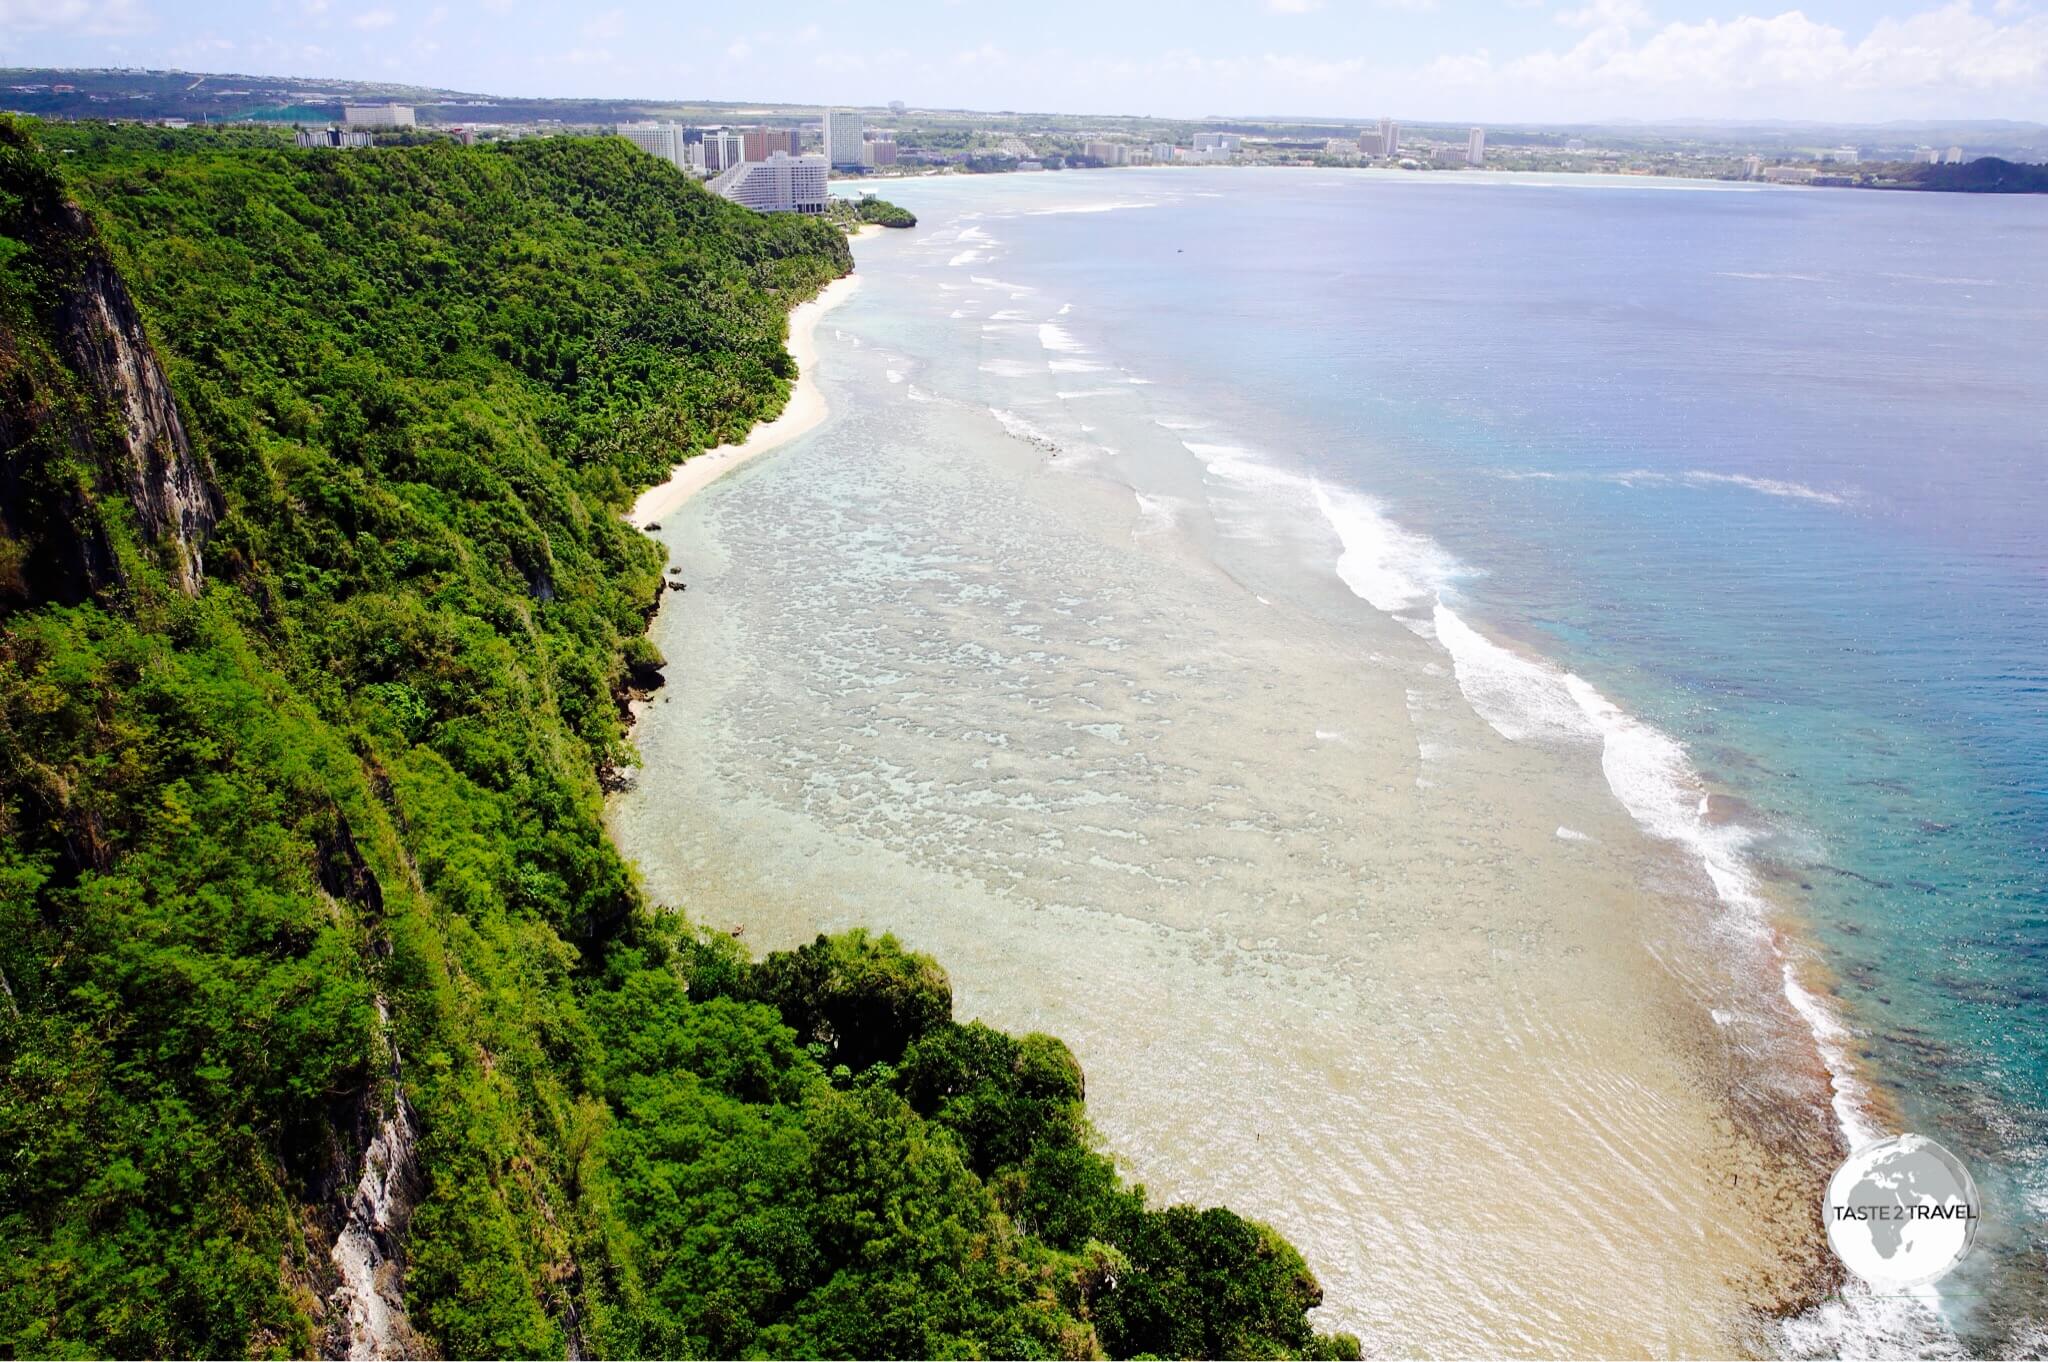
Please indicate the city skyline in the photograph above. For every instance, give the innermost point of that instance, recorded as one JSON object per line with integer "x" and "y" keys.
{"x": 1478, "y": 60}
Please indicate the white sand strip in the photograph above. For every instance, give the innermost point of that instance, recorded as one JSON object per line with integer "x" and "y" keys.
{"x": 804, "y": 410}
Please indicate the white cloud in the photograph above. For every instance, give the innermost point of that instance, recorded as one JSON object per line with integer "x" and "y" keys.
{"x": 283, "y": 51}
{"x": 93, "y": 18}
{"x": 1234, "y": 78}
{"x": 196, "y": 51}
{"x": 1293, "y": 6}
{"x": 1311, "y": 72}
{"x": 371, "y": 19}
{"x": 1719, "y": 63}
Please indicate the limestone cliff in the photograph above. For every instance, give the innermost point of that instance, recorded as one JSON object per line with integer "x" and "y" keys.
{"x": 94, "y": 458}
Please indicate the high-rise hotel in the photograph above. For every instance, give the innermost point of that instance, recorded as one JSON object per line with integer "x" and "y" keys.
{"x": 843, "y": 137}
{"x": 780, "y": 184}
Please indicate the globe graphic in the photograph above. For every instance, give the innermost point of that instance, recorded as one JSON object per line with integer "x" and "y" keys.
{"x": 1901, "y": 1212}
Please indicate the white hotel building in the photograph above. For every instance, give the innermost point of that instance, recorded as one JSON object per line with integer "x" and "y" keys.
{"x": 843, "y": 137}
{"x": 664, "y": 140}
{"x": 378, "y": 116}
{"x": 720, "y": 149}
{"x": 781, "y": 184}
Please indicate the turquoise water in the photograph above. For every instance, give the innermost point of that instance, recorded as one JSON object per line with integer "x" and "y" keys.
{"x": 1766, "y": 467}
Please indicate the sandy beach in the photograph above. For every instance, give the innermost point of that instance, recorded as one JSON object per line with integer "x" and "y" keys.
{"x": 804, "y": 410}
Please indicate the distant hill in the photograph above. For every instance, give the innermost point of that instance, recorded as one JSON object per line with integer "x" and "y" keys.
{"x": 120, "y": 93}
{"x": 117, "y": 93}
{"x": 1985, "y": 175}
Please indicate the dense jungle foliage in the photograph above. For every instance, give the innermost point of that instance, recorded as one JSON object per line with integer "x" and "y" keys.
{"x": 321, "y": 840}
{"x": 884, "y": 213}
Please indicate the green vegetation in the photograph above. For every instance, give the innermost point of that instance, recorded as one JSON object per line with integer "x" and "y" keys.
{"x": 1985, "y": 175}
{"x": 851, "y": 214}
{"x": 885, "y": 213}
{"x": 312, "y": 839}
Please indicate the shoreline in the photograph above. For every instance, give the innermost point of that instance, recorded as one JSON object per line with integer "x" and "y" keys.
{"x": 1699, "y": 1137}
{"x": 770, "y": 859}
{"x": 802, "y": 413}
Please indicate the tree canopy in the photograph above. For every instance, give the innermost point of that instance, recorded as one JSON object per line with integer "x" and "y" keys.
{"x": 321, "y": 839}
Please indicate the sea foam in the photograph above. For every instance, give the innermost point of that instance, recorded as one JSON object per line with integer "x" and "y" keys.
{"x": 1053, "y": 336}
{"x": 1111, "y": 206}
{"x": 1523, "y": 698}
{"x": 1389, "y": 567}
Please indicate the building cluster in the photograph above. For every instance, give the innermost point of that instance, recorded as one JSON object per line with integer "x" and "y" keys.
{"x": 353, "y": 130}
{"x": 786, "y": 168}
{"x": 356, "y": 121}
{"x": 1109, "y": 153}
{"x": 1209, "y": 148}
{"x": 1382, "y": 144}
{"x": 1825, "y": 166}
{"x": 768, "y": 169}
{"x": 1386, "y": 143}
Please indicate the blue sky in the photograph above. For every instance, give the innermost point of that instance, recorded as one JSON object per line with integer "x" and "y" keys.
{"x": 1418, "y": 59}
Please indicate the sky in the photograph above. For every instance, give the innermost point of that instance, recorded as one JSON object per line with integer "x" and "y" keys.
{"x": 1476, "y": 60}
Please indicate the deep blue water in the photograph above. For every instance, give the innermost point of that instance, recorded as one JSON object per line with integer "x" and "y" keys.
{"x": 1770, "y": 468}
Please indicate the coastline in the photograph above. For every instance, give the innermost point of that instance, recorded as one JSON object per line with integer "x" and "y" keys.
{"x": 802, "y": 413}
{"x": 1672, "y": 1059}
{"x": 1233, "y": 926}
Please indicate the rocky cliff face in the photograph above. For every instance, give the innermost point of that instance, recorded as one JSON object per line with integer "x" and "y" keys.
{"x": 93, "y": 454}
{"x": 166, "y": 485}
{"x": 366, "y": 1308}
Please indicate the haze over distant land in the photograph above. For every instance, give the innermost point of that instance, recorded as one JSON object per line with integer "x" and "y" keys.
{"x": 1488, "y": 60}
{"x": 227, "y": 97}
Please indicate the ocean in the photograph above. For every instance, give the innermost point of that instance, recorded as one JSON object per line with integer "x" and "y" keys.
{"x": 1502, "y": 716}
